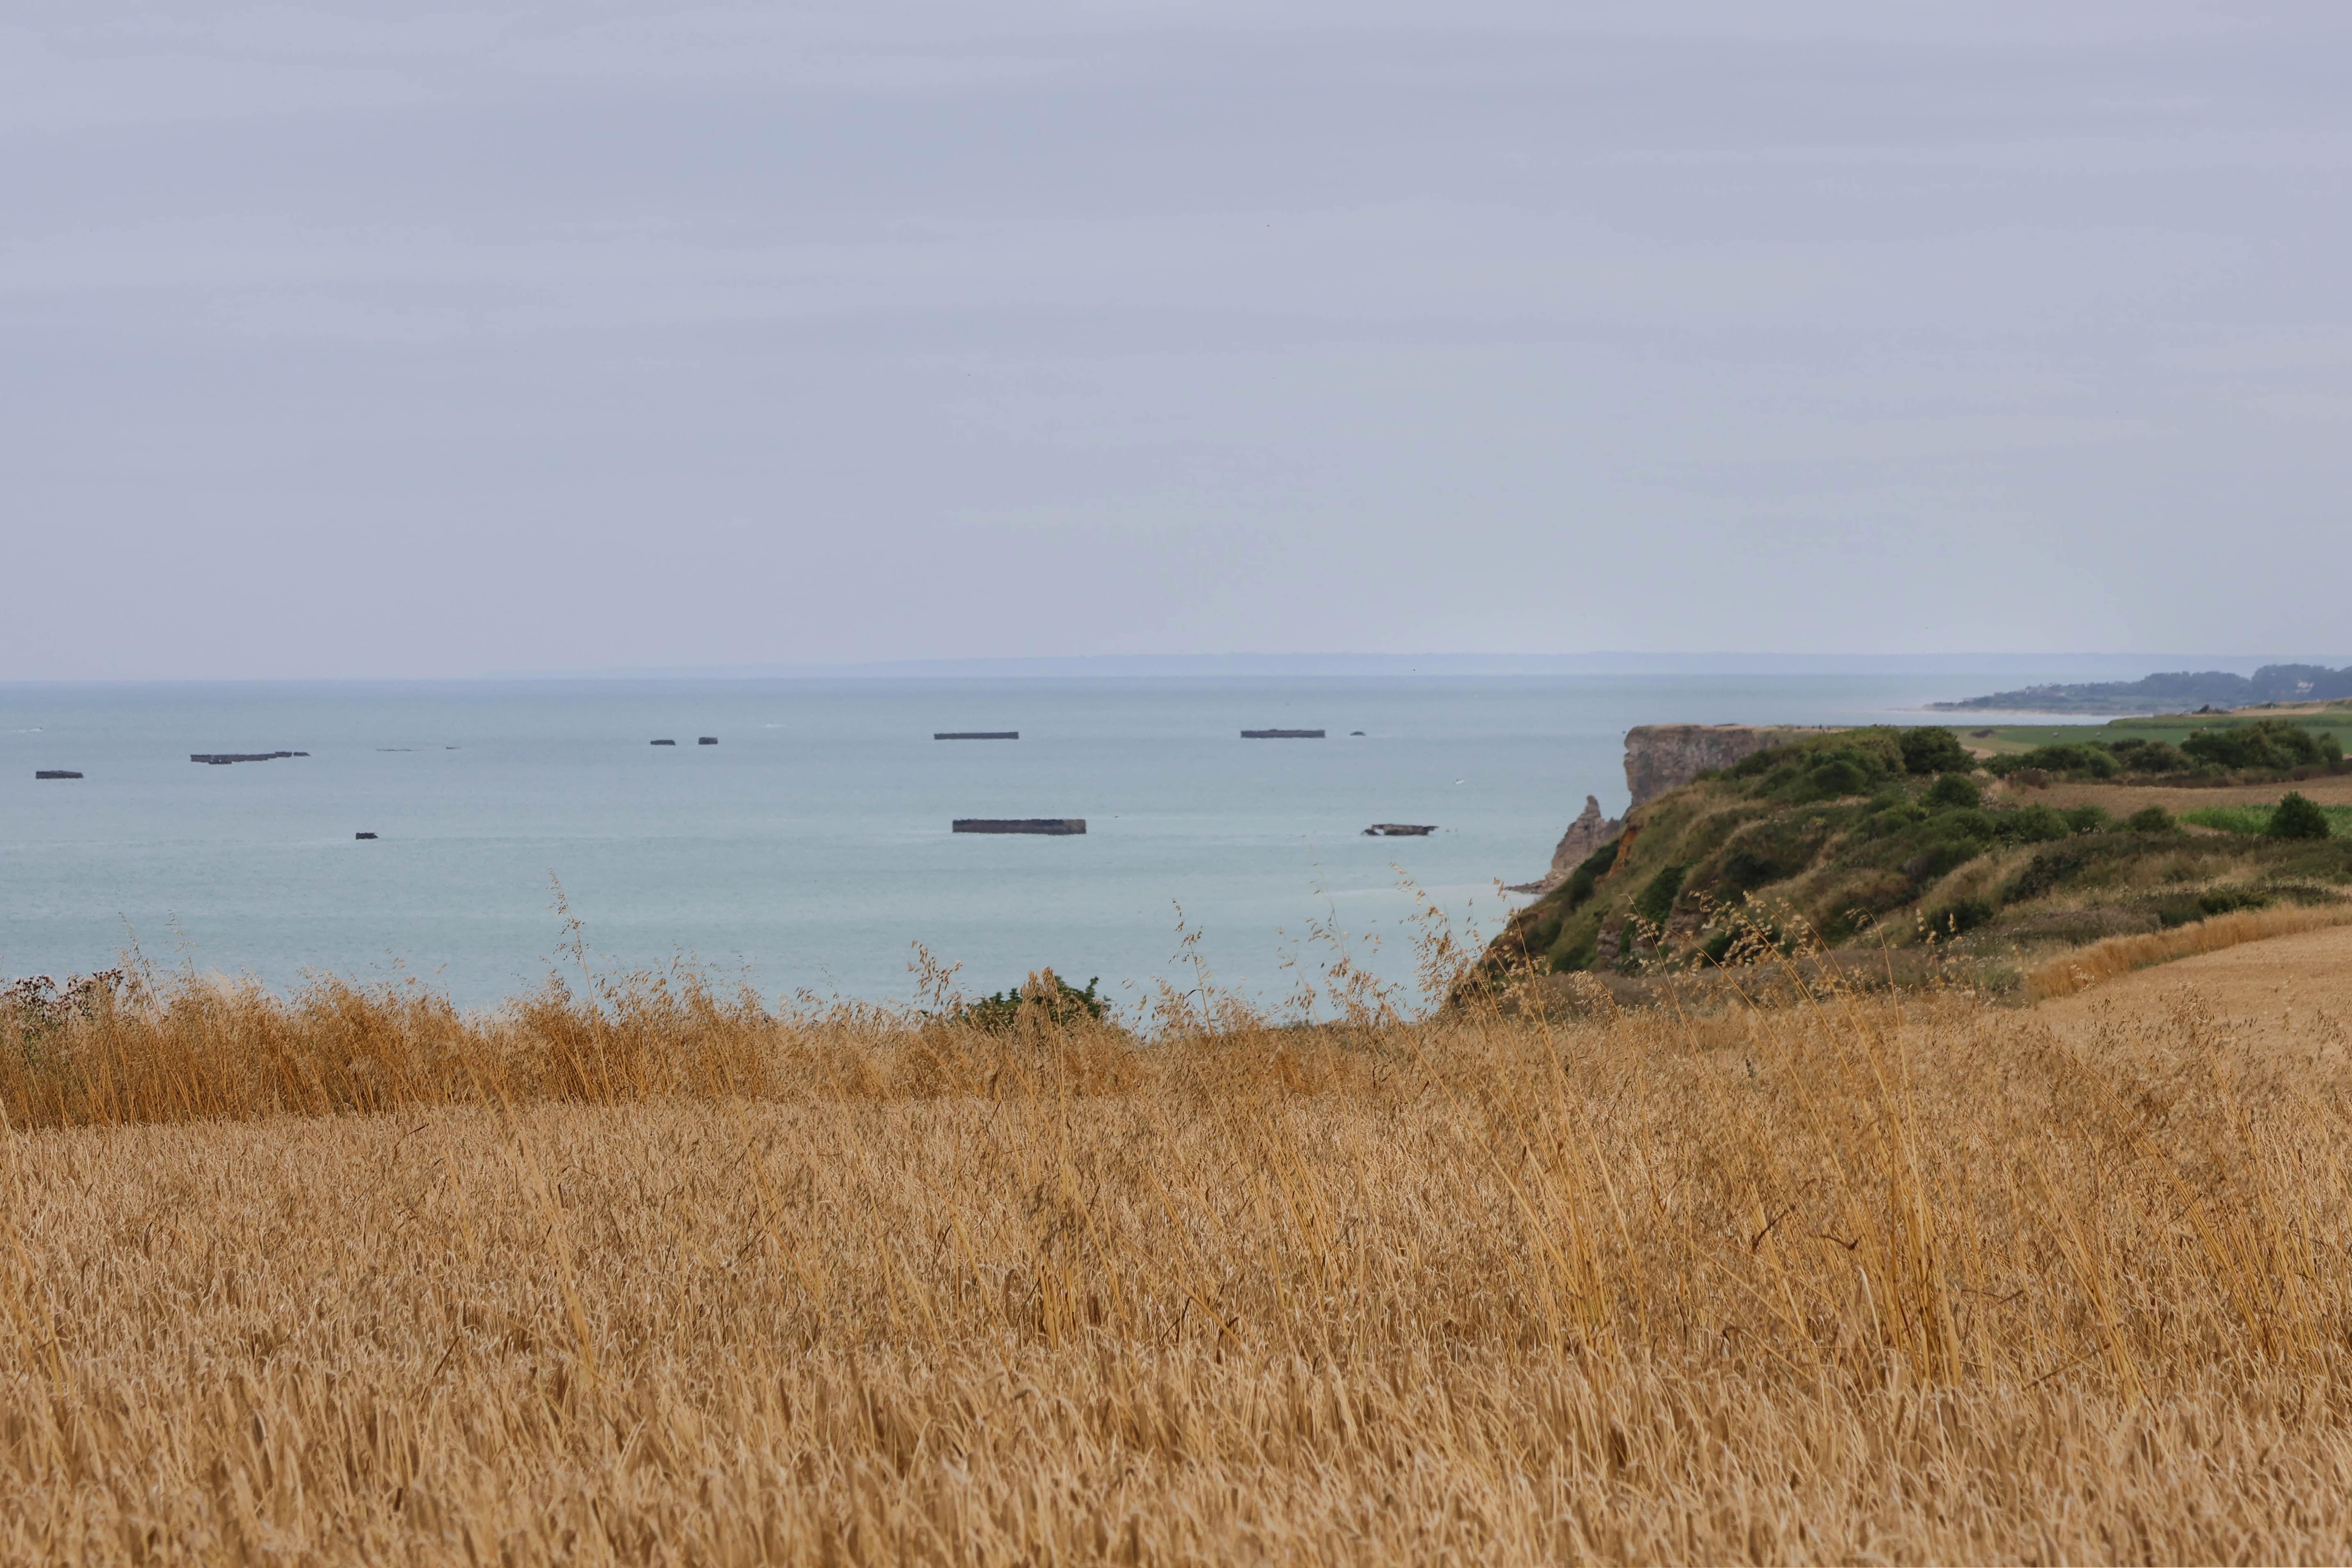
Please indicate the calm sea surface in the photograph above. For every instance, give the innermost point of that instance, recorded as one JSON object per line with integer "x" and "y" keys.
{"x": 810, "y": 848}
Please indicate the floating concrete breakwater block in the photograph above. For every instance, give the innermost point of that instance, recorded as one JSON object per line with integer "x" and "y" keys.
{"x": 1400, "y": 830}
{"x": 1282, "y": 734}
{"x": 1053, "y": 826}
{"x": 363, "y": 835}
{"x": 706, "y": 740}
{"x": 975, "y": 734}
{"x": 55, "y": 773}
{"x": 222, "y": 759}
{"x": 665, "y": 742}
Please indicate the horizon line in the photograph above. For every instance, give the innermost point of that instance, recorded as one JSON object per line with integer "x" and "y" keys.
{"x": 2080, "y": 665}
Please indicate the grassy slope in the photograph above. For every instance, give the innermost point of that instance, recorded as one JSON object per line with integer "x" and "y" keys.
{"x": 1747, "y": 853}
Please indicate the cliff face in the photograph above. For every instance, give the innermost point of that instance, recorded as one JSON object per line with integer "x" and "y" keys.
{"x": 1662, "y": 757}
{"x": 1588, "y": 833}
{"x": 1850, "y": 837}
{"x": 1658, "y": 758}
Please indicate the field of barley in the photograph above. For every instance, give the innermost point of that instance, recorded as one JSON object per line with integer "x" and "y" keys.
{"x": 634, "y": 1272}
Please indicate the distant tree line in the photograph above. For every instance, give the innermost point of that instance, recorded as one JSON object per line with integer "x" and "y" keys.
{"x": 2267, "y": 746}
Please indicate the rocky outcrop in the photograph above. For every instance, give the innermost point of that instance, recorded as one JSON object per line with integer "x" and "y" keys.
{"x": 1658, "y": 758}
{"x": 1588, "y": 833}
{"x": 1662, "y": 757}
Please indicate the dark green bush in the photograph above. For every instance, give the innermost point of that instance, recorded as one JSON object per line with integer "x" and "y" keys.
{"x": 2296, "y": 818}
{"x": 2151, "y": 819}
{"x": 2031, "y": 825}
{"x": 2088, "y": 818}
{"x": 1955, "y": 790}
{"x": 1852, "y": 762}
{"x": 1067, "y": 1005}
{"x": 2073, "y": 760}
{"x": 1931, "y": 748}
{"x": 1830, "y": 775}
{"x": 2149, "y": 756}
{"x": 1756, "y": 765}
{"x": 1890, "y": 820}
{"x": 2270, "y": 745}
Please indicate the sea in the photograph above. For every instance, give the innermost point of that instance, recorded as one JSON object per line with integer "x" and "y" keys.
{"x": 807, "y": 854}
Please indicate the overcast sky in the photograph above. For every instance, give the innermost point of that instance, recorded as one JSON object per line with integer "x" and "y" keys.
{"x": 375, "y": 339}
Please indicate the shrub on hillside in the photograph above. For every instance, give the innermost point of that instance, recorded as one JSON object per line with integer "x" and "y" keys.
{"x": 1835, "y": 777}
{"x": 1831, "y": 767}
{"x": 1832, "y": 774}
{"x": 1891, "y": 817}
{"x": 2031, "y": 825}
{"x": 1931, "y": 748}
{"x": 1955, "y": 790}
{"x": 2137, "y": 756}
{"x": 2150, "y": 819}
{"x": 2267, "y": 744}
{"x": 2296, "y": 818}
{"x": 2084, "y": 759}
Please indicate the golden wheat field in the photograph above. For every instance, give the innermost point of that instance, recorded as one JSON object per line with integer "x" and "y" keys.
{"x": 644, "y": 1274}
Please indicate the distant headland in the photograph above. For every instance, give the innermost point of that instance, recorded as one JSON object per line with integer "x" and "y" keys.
{"x": 2177, "y": 692}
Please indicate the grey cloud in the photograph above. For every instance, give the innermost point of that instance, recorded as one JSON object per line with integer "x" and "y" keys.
{"x": 594, "y": 335}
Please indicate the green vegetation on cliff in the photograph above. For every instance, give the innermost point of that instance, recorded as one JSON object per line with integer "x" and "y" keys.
{"x": 1875, "y": 833}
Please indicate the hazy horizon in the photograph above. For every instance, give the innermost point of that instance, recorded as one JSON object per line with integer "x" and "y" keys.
{"x": 2025, "y": 668}
{"x": 352, "y": 339}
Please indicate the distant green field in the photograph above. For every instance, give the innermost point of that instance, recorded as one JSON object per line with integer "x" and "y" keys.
{"x": 2254, "y": 818}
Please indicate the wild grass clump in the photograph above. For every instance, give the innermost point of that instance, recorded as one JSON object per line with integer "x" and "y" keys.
{"x": 642, "y": 1273}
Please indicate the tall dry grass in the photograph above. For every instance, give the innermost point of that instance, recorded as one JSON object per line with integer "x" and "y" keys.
{"x": 647, "y": 1276}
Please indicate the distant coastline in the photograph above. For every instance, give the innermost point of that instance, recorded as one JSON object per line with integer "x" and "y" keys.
{"x": 2178, "y": 691}
{"x": 2029, "y": 667}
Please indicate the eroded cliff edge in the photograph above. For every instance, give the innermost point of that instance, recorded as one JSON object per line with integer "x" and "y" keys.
{"x": 1662, "y": 757}
{"x": 1658, "y": 758}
